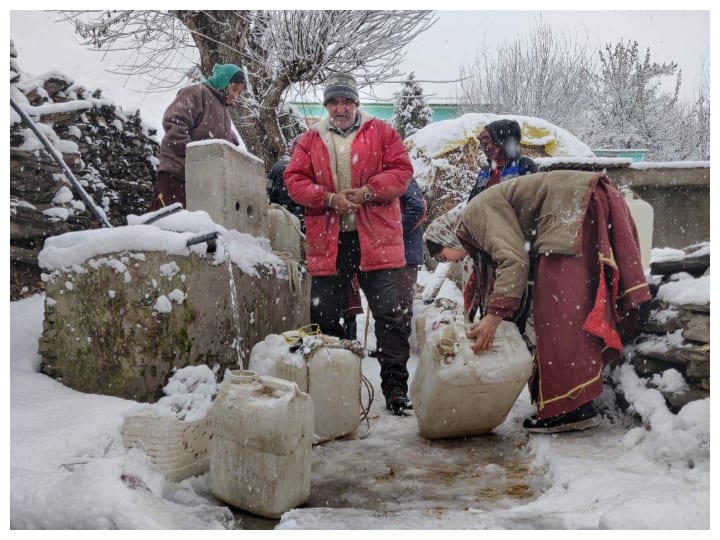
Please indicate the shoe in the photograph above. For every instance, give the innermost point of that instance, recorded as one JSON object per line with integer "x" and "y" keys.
{"x": 397, "y": 402}
{"x": 584, "y": 417}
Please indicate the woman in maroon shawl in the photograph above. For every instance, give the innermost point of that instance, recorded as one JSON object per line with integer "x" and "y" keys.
{"x": 571, "y": 233}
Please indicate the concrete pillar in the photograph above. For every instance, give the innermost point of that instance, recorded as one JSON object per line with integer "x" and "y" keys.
{"x": 229, "y": 184}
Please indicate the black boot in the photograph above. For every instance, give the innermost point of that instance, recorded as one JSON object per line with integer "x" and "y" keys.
{"x": 397, "y": 402}
{"x": 584, "y": 417}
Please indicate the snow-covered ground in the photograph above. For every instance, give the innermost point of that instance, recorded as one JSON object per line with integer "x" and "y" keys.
{"x": 70, "y": 470}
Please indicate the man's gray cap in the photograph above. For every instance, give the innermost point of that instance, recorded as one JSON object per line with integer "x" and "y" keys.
{"x": 341, "y": 85}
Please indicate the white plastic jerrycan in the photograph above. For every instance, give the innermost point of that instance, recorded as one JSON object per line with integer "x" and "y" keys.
{"x": 176, "y": 448}
{"x": 459, "y": 393}
{"x": 643, "y": 215}
{"x": 327, "y": 368}
{"x": 260, "y": 451}
{"x": 284, "y": 231}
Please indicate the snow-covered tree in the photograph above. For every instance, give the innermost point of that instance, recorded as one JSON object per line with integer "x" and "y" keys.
{"x": 633, "y": 108}
{"x": 694, "y": 145}
{"x": 410, "y": 109}
{"x": 279, "y": 49}
{"x": 541, "y": 74}
{"x": 624, "y": 101}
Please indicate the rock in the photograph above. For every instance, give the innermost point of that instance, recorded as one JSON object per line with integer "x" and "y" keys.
{"x": 676, "y": 335}
{"x": 56, "y": 84}
{"x": 678, "y": 400}
{"x": 103, "y": 333}
{"x": 698, "y": 329}
{"x": 692, "y": 265}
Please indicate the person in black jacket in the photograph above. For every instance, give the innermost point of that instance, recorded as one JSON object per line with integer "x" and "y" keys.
{"x": 414, "y": 208}
{"x": 276, "y": 189}
{"x": 500, "y": 141}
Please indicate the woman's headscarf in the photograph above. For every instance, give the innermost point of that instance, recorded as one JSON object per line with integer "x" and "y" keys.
{"x": 442, "y": 229}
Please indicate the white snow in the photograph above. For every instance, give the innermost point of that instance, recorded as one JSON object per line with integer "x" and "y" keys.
{"x": 169, "y": 234}
{"x": 69, "y": 469}
{"x": 669, "y": 164}
{"x": 686, "y": 291}
{"x": 189, "y": 393}
{"x": 440, "y": 137}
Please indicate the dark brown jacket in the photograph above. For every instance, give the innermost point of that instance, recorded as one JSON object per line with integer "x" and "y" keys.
{"x": 197, "y": 113}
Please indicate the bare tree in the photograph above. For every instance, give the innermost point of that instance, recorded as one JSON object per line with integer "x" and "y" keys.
{"x": 279, "y": 49}
{"x": 542, "y": 74}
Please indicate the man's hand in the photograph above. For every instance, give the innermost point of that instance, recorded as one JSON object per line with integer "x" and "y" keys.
{"x": 357, "y": 195}
{"x": 342, "y": 204}
{"x": 483, "y": 332}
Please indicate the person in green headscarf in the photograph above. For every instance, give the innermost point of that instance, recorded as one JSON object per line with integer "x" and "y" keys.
{"x": 198, "y": 112}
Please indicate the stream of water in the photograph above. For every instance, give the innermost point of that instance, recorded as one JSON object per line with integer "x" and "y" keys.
{"x": 237, "y": 342}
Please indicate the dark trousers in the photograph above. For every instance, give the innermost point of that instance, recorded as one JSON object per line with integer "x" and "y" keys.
{"x": 405, "y": 279}
{"x": 168, "y": 190}
{"x": 328, "y": 298}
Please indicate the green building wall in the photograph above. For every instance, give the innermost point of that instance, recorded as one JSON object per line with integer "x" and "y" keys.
{"x": 314, "y": 111}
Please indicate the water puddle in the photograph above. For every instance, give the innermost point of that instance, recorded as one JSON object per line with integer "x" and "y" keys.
{"x": 487, "y": 472}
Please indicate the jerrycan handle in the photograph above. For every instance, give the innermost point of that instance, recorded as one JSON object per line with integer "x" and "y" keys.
{"x": 279, "y": 384}
{"x": 242, "y": 376}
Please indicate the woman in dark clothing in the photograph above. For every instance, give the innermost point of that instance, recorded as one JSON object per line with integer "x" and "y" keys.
{"x": 198, "y": 112}
{"x": 500, "y": 141}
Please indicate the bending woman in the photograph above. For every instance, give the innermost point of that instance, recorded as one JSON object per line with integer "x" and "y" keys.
{"x": 573, "y": 233}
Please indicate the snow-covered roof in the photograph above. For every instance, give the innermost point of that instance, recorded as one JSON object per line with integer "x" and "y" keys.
{"x": 438, "y": 138}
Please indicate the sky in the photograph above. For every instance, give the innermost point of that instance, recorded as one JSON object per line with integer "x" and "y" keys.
{"x": 457, "y": 38}
{"x": 436, "y": 55}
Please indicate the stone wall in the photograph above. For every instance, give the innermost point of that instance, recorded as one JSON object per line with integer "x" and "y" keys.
{"x": 680, "y": 197}
{"x": 674, "y": 329}
{"x": 103, "y": 334}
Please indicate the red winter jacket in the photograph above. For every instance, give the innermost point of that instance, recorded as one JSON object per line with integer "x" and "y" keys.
{"x": 379, "y": 160}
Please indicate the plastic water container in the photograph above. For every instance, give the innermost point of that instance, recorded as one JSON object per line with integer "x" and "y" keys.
{"x": 176, "y": 448}
{"x": 260, "y": 451}
{"x": 325, "y": 367}
{"x": 459, "y": 393}
{"x": 643, "y": 215}
{"x": 441, "y": 311}
{"x": 285, "y": 233}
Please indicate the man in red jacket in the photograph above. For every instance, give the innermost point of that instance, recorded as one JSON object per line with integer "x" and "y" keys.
{"x": 349, "y": 171}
